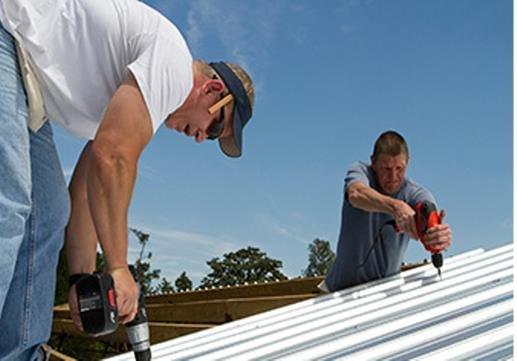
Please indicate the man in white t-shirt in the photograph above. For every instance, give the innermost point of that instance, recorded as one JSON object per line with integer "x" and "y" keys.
{"x": 110, "y": 71}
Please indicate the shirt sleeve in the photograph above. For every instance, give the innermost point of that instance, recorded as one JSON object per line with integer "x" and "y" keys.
{"x": 358, "y": 172}
{"x": 418, "y": 194}
{"x": 163, "y": 71}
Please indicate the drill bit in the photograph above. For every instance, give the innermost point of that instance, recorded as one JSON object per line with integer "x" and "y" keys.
{"x": 437, "y": 259}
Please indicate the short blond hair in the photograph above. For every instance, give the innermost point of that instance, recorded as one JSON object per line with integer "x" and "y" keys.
{"x": 243, "y": 76}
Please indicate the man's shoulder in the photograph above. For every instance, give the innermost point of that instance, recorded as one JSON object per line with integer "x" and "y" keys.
{"x": 413, "y": 191}
{"x": 360, "y": 166}
{"x": 359, "y": 172}
{"x": 411, "y": 185}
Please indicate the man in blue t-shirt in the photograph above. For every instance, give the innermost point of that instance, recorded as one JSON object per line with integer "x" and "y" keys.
{"x": 377, "y": 197}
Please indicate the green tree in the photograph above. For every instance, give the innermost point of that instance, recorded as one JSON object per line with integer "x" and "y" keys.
{"x": 145, "y": 274}
{"x": 61, "y": 295}
{"x": 165, "y": 286}
{"x": 183, "y": 283}
{"x": 321, "y": 258}
{"x": 246, "y": 265}
{"x": 100, "y": 262}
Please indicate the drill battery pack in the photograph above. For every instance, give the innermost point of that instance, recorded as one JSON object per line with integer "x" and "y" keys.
{"x": 97, "y": 304}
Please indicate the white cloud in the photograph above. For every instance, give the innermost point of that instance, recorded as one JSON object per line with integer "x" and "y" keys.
{"x": 269, "y": 222}
{"x": 230, "y": 23}
{"x": 194, "y": 32}
{"x": 175, "y": 250}
{"x": 151, "y": 174}
{"x": 175, "y": 241}
{"x": 208, "y": 17}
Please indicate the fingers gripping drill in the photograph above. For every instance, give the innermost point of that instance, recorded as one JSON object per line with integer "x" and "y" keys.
{"x": 426, "y": 217}
{"x": 98, "y": 311}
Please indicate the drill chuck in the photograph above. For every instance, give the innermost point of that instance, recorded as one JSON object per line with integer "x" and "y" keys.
{"x": 138, "y": 336}
{"x": 143, "y": 355}
{"x": 437, "y": 259}
{"x": 138, "y": 329}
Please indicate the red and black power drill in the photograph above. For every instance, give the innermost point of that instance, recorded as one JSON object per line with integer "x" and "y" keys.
{"x": 427, "y": 216}
{"x": 98, "y": 311}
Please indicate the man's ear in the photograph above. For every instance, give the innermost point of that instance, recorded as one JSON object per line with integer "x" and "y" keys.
{"x": 213, "y": 85}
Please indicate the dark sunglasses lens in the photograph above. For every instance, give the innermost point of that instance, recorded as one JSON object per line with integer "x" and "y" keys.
{"x": 215, "y": 130}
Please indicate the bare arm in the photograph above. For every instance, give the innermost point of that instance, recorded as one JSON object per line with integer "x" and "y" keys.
{"x": 105, "y": 188}
{"x": 125, "y": 131}
{"x": 81, "y": 237}
{"x": 368, "y": 199}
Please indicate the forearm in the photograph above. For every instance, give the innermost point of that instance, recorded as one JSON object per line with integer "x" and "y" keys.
{"x": 80, "y": 235}
{"x": 368, "y": 199}
{"x": 110, "y": 184}
{"x": 122, "y": 136}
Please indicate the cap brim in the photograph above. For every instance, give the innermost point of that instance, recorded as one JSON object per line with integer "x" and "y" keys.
{"x": 232, "y": 145}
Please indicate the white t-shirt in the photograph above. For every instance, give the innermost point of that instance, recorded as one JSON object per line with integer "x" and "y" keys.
{"x": 82, "y": 51}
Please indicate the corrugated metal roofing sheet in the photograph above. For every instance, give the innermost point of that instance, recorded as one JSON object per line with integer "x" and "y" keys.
{"x": 414, "y": 315}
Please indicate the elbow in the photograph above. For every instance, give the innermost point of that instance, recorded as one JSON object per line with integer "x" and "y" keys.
{"x": 354, "y": 196}
{"x": 106, "y": 157}
{"x": 354, "y": 201}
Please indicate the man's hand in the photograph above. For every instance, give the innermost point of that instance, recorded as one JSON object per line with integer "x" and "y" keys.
{"x": 405, "y": 218}
{"x": 126, "y": 292}
{"x": 438, "y": 238}
{"x": 74, "y": 307}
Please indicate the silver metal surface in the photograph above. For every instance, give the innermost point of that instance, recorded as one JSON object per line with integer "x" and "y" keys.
{"x": 467, "y": 315}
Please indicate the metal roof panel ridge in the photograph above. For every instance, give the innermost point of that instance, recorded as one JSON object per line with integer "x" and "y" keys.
{"x": 412, "y": 315}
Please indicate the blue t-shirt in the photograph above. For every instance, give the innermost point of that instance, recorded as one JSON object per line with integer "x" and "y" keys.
{"x": 359, "y": 230}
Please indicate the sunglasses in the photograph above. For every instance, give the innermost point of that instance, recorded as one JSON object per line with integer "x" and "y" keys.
{"x": 215, "y": 129}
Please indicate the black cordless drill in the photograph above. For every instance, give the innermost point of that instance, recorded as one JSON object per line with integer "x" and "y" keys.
{"x": 98, "y": 311}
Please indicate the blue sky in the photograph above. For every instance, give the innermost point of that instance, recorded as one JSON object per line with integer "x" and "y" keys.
{"x": 330, "y": 77}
